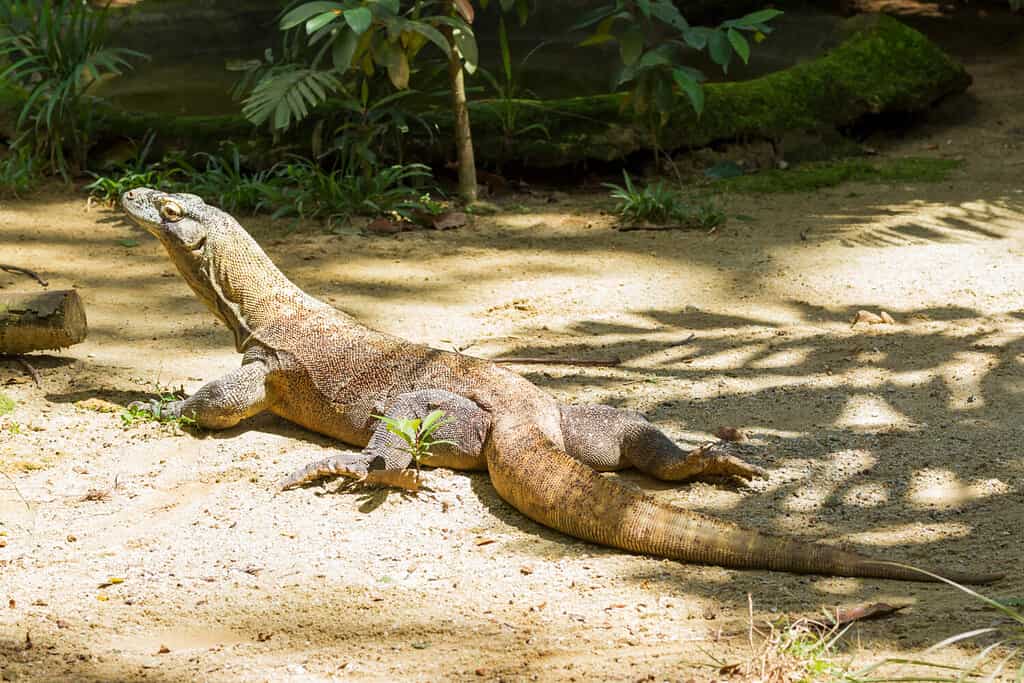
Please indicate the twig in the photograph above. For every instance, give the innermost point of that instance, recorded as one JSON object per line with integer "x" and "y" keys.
{"x": 14, "y": 485}
{"x": 31, "y": 370}
{"x": 24, "y": 364}
{"x": 634, "y": 228}
{"x": 24, "y": 271}
{"x": 611, "y": 362}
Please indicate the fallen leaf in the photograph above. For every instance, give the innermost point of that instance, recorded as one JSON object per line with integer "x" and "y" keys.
{"x": 163, "y": 650}
{"x": 730, "y": 434}
{"x": 128, "y": 243}
{"x": 526, "y": 570}
{"x": 11, "y": 603}
{"x": 484, "y": 541}
{"x": 874, "y": 610}
{"x": 450, "y": 219}
{"x": 113, "y": 580}
{"x": 866, "y": 317}
{"x": 384, "y": 226}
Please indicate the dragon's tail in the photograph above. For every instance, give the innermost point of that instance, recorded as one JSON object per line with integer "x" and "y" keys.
{"x": 552, "y": 488}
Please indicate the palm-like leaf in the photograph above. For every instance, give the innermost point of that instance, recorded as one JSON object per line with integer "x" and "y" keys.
{"x": 287, "y": 95}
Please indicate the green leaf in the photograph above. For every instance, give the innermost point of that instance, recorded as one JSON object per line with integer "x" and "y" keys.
{"x": 465, "y": 41}
{"x": 319, "y": 21}
{"x": 596, "y": 39}
{"x": 631, "y": 45}
{"x": 128, "y": 243}
{"x": 740, "y": 44}
{"x": 758, "y": 17}
{"x": 697, "y": 37}
{"x": 391, "y": 6}
{"x": 667, "y": 12}
{"x": 343, "y": 50}
{"x": 431, "y": 422}
{"x": 398, "y": 71}
{"x": 305, "y": 11}
{"x": 689, "y": 85}
{"x": 718, "y": 48}
{"x": 645, "y": 8}
{"x": 431, "y": 34}
{"x": 359, "y": 19}
{"x": 593, "y": 17}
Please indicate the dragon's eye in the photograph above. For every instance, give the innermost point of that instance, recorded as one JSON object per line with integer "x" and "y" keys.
{"x": 171, "y": 211}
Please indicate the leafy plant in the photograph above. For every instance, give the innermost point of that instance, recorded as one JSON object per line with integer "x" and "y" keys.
{"x": 6, "y": 403}
{"x": 509, "y": 91}
{"x": 107, "y": 189}
{"x": 57, "y": 50}
{"x": 134, "y": 415}
{"x": 372, "y": 130}
{"x": 653, "y": 36}
{"x": 651, "y": 204}
{"x": 225, "y": 182}
{"x": 417, "y": 434}
{"x": 308, "y": 191}
{"x": 1008, "y": 635}
{"x": 659, "y": 204}
{"x": 366, "y": 35}
{"x": 19, "y": 171}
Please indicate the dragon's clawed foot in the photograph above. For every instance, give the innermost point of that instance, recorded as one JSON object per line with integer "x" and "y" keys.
{"x": 713, "y": 459}
{"x": 353, "y": 466}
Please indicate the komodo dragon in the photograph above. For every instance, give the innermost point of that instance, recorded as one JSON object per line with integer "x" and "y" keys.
{"x": 320, "y": 368}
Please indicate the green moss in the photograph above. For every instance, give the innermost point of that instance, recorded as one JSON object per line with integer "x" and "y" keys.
{"x": 881, "y": 65}
{"x": 811, "y": 177}
{"x": 854, "y": 79}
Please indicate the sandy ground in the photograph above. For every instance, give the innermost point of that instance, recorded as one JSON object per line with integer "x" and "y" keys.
{"x": 899, "y": 440}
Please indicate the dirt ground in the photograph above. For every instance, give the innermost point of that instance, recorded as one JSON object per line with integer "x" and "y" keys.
{"x": 899, "y": 440}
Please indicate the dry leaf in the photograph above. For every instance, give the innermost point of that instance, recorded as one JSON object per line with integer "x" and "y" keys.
{"x": 874, "y": 610}
{"x": 449, "y": 220}
{"x": 526, "y": 570}
{"x": 730, "y": 434}
{"x": 484, "y": 541}
{"x": 866, "y": 317}
{"x": 384, "y": 226}
{"x": 465, "y": 8}
{"x": 163, "y": 650}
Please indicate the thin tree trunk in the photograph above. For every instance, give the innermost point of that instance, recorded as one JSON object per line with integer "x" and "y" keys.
{"x": 463, "y": 137}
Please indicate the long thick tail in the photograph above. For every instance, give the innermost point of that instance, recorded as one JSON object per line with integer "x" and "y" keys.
{"x": 550, "y": 487}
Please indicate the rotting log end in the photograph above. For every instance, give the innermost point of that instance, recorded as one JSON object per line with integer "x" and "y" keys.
{"x": 34, "y": 321}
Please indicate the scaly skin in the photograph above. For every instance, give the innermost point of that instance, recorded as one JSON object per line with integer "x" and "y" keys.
{"x": 320, "y": 368}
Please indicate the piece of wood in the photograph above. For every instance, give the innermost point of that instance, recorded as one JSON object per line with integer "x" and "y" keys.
{"x": 30, "y": 321}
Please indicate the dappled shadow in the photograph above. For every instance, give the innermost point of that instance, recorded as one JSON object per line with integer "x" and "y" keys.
{"x": 878, "y": 435}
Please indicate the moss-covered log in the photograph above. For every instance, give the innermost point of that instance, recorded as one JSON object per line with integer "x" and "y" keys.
{"x": 880, "y": 65}
{"x": 30, "y": 321}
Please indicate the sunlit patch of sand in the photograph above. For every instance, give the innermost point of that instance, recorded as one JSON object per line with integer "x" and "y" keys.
{"x": 913, "y": 533}
{"x": 867, "y": 495}
{"x": 943, "y": 488}
{"x": 870, "y": 412}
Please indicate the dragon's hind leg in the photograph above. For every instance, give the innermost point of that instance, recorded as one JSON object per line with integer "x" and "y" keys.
{"x": 386, "y": 460}
{"x": 608, "y": 438}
